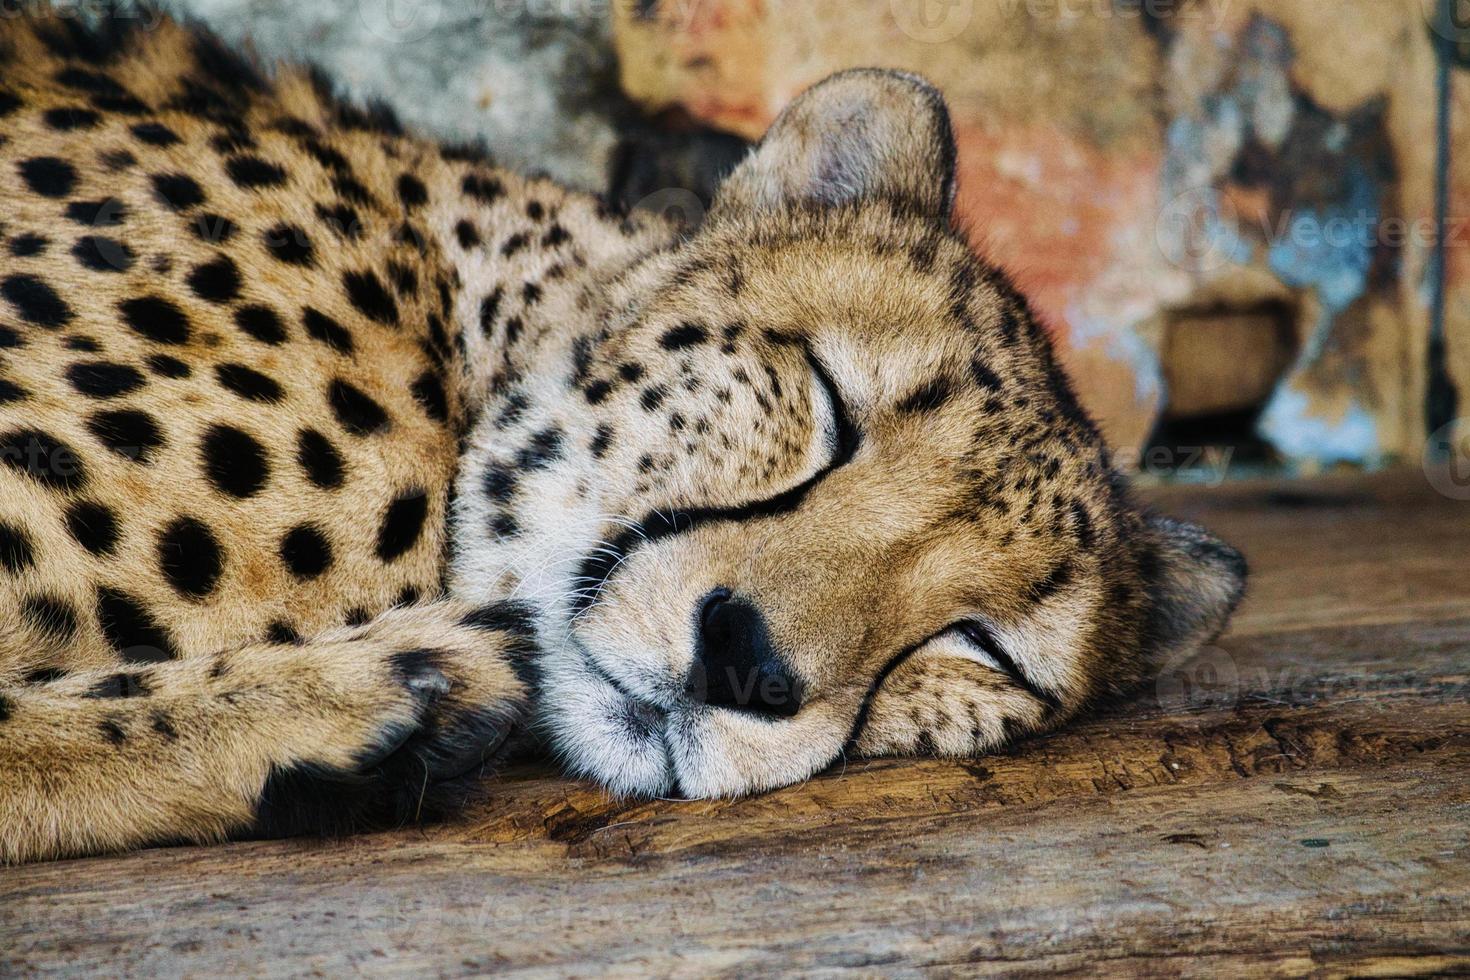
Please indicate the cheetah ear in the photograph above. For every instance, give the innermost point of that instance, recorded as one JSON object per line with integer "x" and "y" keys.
{"x": 1195, "y": 581}
{"x": 858, "y": 135}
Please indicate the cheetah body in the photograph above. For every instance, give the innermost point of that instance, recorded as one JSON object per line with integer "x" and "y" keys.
{"x": 323, "y": 448}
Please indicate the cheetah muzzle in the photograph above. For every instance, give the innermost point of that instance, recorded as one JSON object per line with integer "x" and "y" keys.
{"x": 329, "y": 455}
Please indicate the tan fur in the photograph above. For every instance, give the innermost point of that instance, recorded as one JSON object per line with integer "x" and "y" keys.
{"x": 601, "y": 425}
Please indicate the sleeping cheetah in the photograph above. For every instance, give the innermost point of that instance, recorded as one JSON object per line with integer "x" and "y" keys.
{"x": 325, "y": 450}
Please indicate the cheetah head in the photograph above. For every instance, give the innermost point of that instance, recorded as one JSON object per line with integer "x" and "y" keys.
{"x": 815, "y": 485}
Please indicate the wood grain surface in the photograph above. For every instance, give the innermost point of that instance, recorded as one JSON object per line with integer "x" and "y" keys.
{"x": 1294, "y": 800}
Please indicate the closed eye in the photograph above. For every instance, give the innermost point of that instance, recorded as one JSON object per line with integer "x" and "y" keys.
{"x": 988, "y": 651}
{"x": 833, "y": 420}
{"x": 841, "y": 440}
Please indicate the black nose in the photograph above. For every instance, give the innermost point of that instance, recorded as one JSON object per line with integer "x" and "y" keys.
{"x": 736, "y": 665}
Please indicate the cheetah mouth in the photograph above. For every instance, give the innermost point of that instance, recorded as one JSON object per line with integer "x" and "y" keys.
{"x": 604, "y": 731}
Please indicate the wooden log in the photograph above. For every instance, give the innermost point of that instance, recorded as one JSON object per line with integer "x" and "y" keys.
{"x": 1289, "y": 802}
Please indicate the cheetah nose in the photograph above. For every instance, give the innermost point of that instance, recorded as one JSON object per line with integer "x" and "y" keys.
{"x": 736, "y": 665}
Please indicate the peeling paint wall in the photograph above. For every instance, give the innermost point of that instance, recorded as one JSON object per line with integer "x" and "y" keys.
{"x": 1130, "y": 159}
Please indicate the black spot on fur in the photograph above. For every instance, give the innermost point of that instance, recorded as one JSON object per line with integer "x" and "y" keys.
{"x": 107, "y": 212}
{"x": 235, "y": 462}
{"x": 17, "y": 553}
{"x": 356, "y": 617}
{"x": 486, "y": 190}
{"x": 116, "y": 161}
{"x": 102, "y": 254}
{"x": 987, "y": 379}
{"x": 515, "y": 618}
{"x": 429, "y": 393}
{"x": 26, "y": 245}
{"x": 129, "y": 432}
{"x": 122, "y": 684}
{"x": 544, "y": 449}
{"x": 161, "y": 724}
{"x": 282, "y": 633}
{"x": 155, "y": 319}
{"x": 370, "y": 298}
{"x": 498, "y": 483}
{"x": 342, "y": 219}
{"x": 112, "y": 730}
{"x": 215, "y": 229}
{"x": 306, "y": 551}
{"x": 504, "y": 525}
{"x": 682, "y": 336}
{"x": 252, "y": 172}
{"x": 35, "y": 301}
{"x": 67, "y": 118}
{"x": 167, "y": 366}
{"x": 11, "y": 392}
{"x": 357, "y": 413}
{"x": 530, "y": 294}
{"x": 411, "y": 191}
{"x": 597, "y": 392}
{"x": 513, "y": 410}
{"x": 351, "y": 189}
{"x": 50, "y": 615}
{"x": 319, "y": 459}
{"x": 928, "y": 397}
{"x": 93, "y": 526}
{"x": 155, "y": 134}
{"x": 260, "y": 322}
{"x": 43, "y": 458}
{"x": 555, "y": 235}
{"x": 653, "y": 396}
{"x": 405, "y": 280}
{"x": 289, "y": 244}
{"x": 190, "y": 558}
{"x": 514, "y": 244}
{"x": 489, "y": 309}
{"x": 249, "y": 383}
{"x": 326, "y": 156}
{"x": 217, "y": 281}
{"x": 601, "y": 440}
{"x": 177, "y": 191}
{"x": 402, "y": 524}
{"x": 467, "y": 235}
{"x": 131, "y": 630}
{"x": 321, "y": 327}
{"x": 48, "y": 176}
{"x": 104, "y": 379}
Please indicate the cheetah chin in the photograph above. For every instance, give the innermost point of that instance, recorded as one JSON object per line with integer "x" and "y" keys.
{"x": 330, "y": 455}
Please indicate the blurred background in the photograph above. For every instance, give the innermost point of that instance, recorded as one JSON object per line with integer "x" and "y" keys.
{"x": 1225, "y": 210}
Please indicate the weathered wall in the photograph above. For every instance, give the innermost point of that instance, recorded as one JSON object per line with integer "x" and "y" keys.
{"x": 535, "y": 78}
{"x": 1136, "y": 161}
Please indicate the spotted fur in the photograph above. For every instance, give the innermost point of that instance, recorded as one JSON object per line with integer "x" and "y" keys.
{"x": 323, "y": 448}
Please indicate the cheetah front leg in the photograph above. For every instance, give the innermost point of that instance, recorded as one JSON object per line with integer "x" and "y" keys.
{"x": 360, "y": 727}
